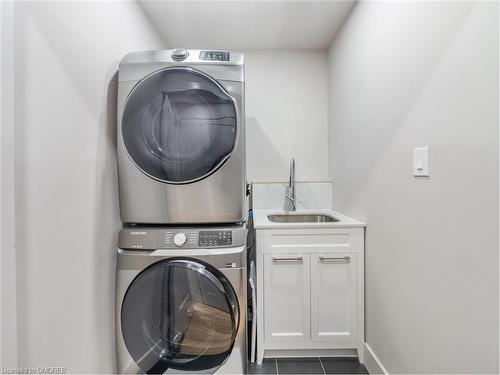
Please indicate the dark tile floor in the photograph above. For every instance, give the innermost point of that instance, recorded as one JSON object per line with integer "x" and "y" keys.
{"x": 321, "y": 365}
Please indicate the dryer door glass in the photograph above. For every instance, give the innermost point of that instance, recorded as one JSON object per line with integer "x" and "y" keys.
{"x": 179, "y": 125}
{"x": 180, "y": 314}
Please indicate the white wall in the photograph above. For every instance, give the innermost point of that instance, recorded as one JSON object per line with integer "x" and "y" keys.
{"x": 66, "y": 195}
{"x": 403, "y": 75}
{"x": 8, "y": 326}
{"x": 286, "y": 114}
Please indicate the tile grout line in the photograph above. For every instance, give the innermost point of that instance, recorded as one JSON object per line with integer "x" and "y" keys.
{"x": 322, "y": 367}
{"x": 276, "y": 363}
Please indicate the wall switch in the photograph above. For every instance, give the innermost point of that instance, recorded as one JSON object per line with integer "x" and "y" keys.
{"x": 421, "y": 162}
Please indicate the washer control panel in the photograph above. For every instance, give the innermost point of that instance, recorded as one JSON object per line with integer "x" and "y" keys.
{"x": 209, "y": 238}
{"x": 150, "y": 238}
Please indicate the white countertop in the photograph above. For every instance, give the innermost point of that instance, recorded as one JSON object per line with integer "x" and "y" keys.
{"x": 260, "y": 220}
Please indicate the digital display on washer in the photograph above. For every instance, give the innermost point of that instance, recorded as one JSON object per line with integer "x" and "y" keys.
{"x": 215, "y": 238}
{"x": 214, "y": 55}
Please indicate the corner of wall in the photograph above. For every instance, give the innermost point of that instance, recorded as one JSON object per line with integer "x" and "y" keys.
{"x": 372, "y": 363}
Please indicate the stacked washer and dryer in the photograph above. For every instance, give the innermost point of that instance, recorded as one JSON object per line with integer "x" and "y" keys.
{"x": 181, "y": 265}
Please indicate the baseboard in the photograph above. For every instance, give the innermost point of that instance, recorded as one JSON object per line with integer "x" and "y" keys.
{"x": 293, "y": 353}
{"x": 372, "y": 363}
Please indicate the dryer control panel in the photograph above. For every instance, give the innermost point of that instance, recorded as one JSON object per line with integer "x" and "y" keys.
{"x": 147, "y": 238}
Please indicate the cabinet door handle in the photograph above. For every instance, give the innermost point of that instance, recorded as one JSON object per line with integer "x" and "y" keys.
{"x": 346, "y": 259}
{"x": 287, "y": 259}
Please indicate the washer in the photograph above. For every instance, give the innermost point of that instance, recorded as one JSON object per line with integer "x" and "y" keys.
{"x": 180, "y": 128}
{"x": 181, "y": 300}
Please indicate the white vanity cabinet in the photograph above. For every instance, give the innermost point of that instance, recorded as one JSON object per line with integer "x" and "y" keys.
{"x": 310, "y": 292}
{"x": 334, "y": 281}
{"x": 286, "y": 297}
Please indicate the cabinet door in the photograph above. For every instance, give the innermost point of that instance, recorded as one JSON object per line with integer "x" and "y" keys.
{"x": 333, "y": 298}
{"x": 287, "y": 298}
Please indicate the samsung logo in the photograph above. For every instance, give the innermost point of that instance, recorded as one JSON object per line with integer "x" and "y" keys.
{"x": 138, "y": 233}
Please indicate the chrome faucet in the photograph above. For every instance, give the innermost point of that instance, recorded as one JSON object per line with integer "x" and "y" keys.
{"x": 290, "y": 194}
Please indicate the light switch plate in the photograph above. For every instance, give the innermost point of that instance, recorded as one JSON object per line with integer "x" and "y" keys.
{"x": 421, "y": 162}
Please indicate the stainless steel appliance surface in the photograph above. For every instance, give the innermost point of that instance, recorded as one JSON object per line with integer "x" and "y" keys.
{"x": 180, "y": 137}
{"x": 181, "y": 300}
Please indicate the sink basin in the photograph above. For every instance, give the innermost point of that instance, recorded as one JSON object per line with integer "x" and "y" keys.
{"x": 301, "y": 218}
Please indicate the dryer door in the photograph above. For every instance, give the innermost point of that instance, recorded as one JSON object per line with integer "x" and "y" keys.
{"x": 179, "y": 125}
{"x": 180, "y": 314}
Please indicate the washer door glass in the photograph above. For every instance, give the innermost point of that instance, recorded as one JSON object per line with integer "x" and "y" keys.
{"x": 179, "y": 125}
{"x": 180, "y": 314}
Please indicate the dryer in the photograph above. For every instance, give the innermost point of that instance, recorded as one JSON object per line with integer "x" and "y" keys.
{"x": 180, "y": 129}
{"x": 181, "y": 300}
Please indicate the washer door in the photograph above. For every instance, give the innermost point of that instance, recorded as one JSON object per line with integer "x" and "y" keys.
{"x": 179, "y": 125}
{"x": 180, "y": 314}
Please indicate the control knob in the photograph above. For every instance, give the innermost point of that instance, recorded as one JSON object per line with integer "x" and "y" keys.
{"x": 180, "y": 239}
{"x": 179, "y": 54}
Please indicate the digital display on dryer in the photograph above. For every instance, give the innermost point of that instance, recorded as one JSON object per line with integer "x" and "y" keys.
{"x": 215, "y": 238}
{"x": 214, "y": 55}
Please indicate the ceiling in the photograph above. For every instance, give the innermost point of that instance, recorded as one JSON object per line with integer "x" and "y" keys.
{"x": 246, "y": 25}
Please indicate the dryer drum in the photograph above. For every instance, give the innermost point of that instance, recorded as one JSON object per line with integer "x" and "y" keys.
{"x": 179, "y": 125}
{"x": 180, "y": 314}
